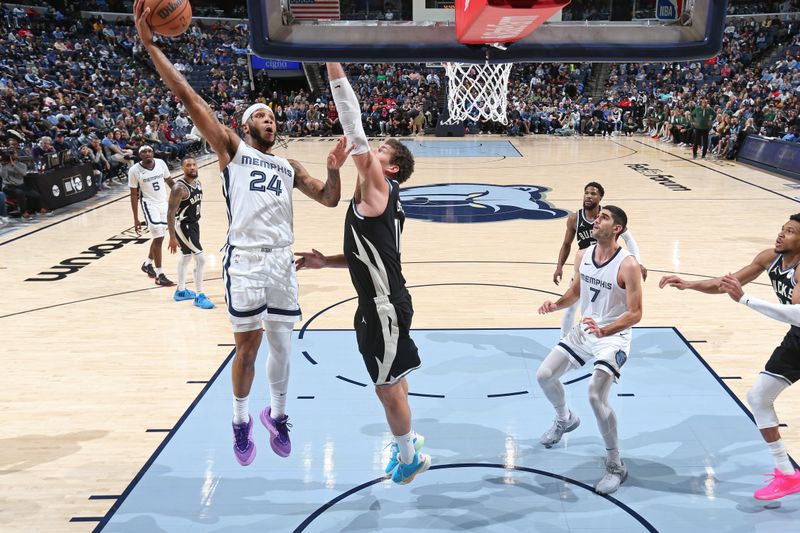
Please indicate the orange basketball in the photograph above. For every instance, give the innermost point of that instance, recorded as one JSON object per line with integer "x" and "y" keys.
{"x": 169, "y": 17}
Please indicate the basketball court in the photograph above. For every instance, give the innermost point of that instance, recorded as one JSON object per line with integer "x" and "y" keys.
{"x": 117, "y": 398}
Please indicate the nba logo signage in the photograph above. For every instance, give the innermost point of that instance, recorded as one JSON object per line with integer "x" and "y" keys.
{"x": 669, "y": 9}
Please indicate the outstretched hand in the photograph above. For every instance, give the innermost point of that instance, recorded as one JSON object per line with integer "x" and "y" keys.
{"x": 548, "y": 307}
{"x": 673, "y": 281}
{"x": 338, "y": 155}
{"x": 312, "y": 259}
{"x": 730, "y": 285}
{"x": 140, "y": 15}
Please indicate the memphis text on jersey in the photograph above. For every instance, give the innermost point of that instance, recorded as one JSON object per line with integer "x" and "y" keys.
{"x": 247, "y": 160}
{"x": 596, "y": 282}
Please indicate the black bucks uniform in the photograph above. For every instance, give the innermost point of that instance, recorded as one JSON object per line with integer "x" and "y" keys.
{"x": 383, "y": 317}
{"x": 583, "y": 231}
{"x": 785, "y": 360}
{"x": 187, "y": 223}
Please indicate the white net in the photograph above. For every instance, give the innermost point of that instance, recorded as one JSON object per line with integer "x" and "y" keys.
{"x": 477, "y": 91}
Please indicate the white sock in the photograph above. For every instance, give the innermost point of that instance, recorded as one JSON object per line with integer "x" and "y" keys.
{"x": 183, "y": 262}
{"x": 158, "y": 271}
{"x": 562, "y": 412}
{"x": 613, "y": 456}
{"x": 199, "y": 263}
{"x": 148, "y": 261}
{"x": 406, "y": 445}
{"x": 241, "y": 409}
{"x": 781, "y": 458}
{"x": 277, "y": 404}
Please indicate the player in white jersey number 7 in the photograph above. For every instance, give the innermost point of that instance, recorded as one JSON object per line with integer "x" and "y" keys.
{"x": 258, "y": 270}
{"x": 608, "y": 284}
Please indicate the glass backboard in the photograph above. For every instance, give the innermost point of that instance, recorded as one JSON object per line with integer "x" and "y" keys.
{"x": 366, "y": 31}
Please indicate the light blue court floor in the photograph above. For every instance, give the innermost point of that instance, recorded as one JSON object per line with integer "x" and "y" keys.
{"x": 471, "y": 148}
{"x": 694, "y": 456}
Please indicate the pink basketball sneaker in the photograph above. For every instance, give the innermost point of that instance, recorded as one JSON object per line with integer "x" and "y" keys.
{"x": 780, "y": 486}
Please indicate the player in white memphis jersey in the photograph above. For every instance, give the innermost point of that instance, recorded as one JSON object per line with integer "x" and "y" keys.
{"x": 149, "y": 181}
{"x": 258, "y": 270}
{"x": 609, "y": 287}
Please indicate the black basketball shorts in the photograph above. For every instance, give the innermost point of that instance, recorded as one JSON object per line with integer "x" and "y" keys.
{"x": 785, "y": 360}
{"x": 188, "y": 234}
{"x": 382, "y": 331}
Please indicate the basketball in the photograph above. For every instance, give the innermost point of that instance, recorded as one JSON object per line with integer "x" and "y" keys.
{"x": 169, "y": 17}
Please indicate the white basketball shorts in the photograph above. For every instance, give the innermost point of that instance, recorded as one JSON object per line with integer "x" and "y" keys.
{"x": 609, "y": 353}
{"x": 156, "y": 217}
{"x": 260, "y": 284}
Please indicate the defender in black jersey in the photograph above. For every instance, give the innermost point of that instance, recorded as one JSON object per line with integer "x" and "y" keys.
{"x": 183, "y": 223}
{"x": 579, "y": 227}
{"x": 372, "y": 230}
{"x": 783, "y": 367}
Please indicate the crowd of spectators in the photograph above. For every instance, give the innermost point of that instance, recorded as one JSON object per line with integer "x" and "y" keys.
{"x": 86, "y": 86}
{"x": 746, "y": 94}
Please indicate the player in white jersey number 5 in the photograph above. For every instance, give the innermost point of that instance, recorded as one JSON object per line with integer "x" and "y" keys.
{"x": 258, "y": 270}
{"x": 608, "y": 283}
{"x": 149, "y": 180}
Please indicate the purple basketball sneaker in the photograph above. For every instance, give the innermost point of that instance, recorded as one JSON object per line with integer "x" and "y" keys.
{"x": 278, "y": 432}
{"x": 243, "y": 446}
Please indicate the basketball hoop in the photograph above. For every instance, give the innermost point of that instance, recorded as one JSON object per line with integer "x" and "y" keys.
{"x": 477, "y": 91}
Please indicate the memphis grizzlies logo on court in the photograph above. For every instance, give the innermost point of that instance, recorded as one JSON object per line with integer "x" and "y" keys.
{"x": 477, "y": 202}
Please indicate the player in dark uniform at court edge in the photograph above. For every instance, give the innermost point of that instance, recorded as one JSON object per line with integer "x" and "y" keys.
{"x": 183, "y": 222}
{"x": 783, "y": 367}
{"x": 373, "y": 226}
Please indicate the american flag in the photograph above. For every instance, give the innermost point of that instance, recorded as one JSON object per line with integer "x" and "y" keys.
{"x": 315, "y": 9}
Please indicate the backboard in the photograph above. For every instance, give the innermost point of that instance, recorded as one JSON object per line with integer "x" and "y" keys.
{"x": 368, "y": 31}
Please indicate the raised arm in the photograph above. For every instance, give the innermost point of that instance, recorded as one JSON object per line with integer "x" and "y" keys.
{"x": 633, "y": 248}
{"x": 745, "y": 275}
{"x": 373, "y": 186}
{"x": 223, "y": 140}
{"x": 566, "y": 246}
{"x": 327, "y": 193}
{"x": 176, "y": 194}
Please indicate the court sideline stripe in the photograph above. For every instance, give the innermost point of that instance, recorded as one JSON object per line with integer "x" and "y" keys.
{"x": 87, "y": 211}
{"x": 138, "y": 477}
{"x": 37, "y": 230}
{"x": 721, "y": 172}
{"x": 722, "y": 383}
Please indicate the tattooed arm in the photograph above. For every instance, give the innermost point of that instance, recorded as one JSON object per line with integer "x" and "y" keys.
{"x": 328, "y": 193}
{"x": 177, "y": 194}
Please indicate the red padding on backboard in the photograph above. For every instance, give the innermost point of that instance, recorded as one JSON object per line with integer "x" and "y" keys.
{"x": 501, "y": 21}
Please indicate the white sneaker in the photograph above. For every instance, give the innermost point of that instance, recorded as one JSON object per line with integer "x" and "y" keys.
{"x": 615, "y": 476}
{"x": 553, "y": 435}
{"x": 4, "y": 221}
